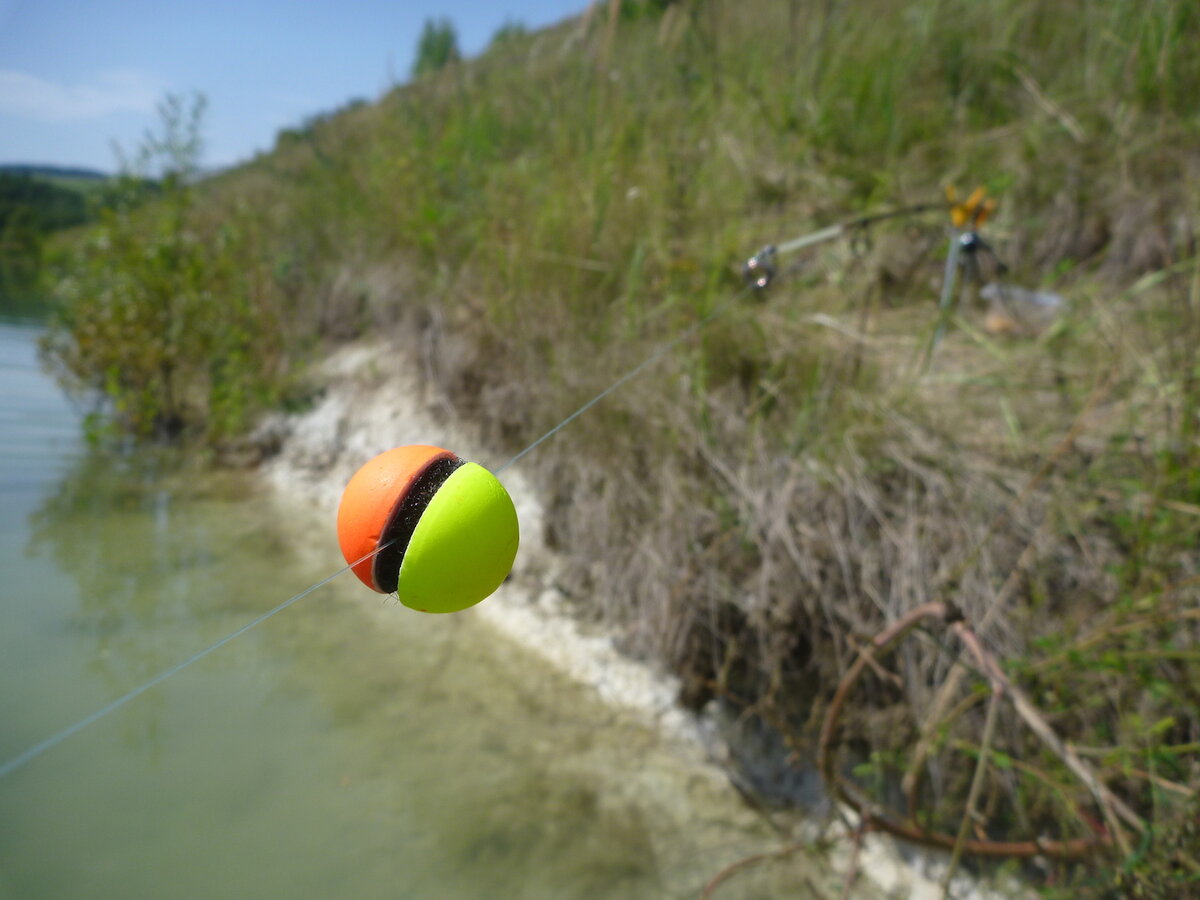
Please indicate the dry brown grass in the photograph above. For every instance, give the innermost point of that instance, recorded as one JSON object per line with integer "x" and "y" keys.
{"x": 790, "y": 505}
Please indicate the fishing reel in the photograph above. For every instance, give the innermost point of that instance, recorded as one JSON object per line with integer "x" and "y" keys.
{"x": 970, "y": 243}
{"x": 972, "y": 249}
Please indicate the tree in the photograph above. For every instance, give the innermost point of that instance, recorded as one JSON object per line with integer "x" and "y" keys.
{"x": 437, "y": 47}
{"x": 155, "y": 313}
{"x": 172, "y": 152}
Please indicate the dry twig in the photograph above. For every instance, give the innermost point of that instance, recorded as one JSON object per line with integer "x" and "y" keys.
{"x": 734, "y": 867}
{"x": 985, "y": 746}
{"x": 908, "y": 828}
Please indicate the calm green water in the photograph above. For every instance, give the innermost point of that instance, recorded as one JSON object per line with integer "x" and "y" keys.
{"x": 345, "y": 748}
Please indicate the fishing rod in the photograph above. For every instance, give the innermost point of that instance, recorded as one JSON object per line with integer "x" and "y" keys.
{"x": 761, "y": 268}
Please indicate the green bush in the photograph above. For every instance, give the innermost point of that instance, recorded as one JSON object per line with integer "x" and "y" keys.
{"x": 155, "y": 314}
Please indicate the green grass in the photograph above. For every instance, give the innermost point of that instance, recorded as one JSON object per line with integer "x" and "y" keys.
{"x": 767, "y": 498}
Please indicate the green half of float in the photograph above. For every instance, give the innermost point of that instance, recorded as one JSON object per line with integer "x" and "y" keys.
{"x": 463, "y": 546}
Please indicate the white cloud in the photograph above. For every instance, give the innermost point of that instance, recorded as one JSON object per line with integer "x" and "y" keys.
{"x": 117, "y": 90}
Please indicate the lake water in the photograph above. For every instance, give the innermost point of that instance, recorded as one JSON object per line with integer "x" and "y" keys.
{"x": 347, "y": 747}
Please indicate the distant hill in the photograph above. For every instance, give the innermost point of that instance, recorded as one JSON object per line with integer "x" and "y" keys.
{"x": 44, "y": 171}
{"x": 36, "y": 201}
{"x": 43, "y": 203}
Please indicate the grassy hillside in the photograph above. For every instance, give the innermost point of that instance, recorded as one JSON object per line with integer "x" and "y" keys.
{"x": 758, "y": 506}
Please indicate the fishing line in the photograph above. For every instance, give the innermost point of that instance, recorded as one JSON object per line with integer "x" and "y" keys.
{"x": 54, "y": 740}
{"x": 632, "y": 373}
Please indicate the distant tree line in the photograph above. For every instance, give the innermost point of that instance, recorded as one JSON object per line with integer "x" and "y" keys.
{"x": 30, "y": 209}
{"x": 41, "y": 204}
{"x": 35, "y": 203}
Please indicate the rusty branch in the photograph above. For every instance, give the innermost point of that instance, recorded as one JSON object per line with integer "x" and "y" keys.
{"x": 907, "y": 828}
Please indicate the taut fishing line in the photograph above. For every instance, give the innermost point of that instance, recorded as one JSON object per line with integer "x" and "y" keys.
{"x": 54, "y": 740}
{"x": 758, "y": 271}
{"x": 632, "y": 373}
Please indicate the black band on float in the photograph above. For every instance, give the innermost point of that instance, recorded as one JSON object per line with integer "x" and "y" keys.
{"x": 398, "y": 531}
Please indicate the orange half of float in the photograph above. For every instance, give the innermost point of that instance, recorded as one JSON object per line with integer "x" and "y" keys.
{"x": 372, "y": 496}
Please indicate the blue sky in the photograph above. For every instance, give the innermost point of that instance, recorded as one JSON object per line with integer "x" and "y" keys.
{"x": 77, "y": 76}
